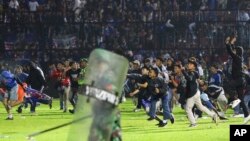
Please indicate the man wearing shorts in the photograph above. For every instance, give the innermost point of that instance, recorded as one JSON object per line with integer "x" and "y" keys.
{"x": 9, "y": 92}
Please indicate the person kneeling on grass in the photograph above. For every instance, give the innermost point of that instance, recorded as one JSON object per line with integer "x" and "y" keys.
{"x": 217, "y": 94}
{"x": 11, "y": 93}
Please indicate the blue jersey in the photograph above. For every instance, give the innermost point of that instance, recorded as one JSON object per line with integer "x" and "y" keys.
{"x": 22, "y": 77}
{"x": 215, "y": 79}
{"x": 8, "y": 80}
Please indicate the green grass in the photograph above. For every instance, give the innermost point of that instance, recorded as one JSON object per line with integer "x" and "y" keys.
{"x": 135, "y": 127}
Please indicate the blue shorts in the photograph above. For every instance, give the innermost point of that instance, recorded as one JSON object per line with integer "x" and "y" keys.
{"x": 12, "y": 94}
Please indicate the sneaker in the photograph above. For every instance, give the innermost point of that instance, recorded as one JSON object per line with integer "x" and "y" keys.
{"x": 196, "y": 116}
{"x": 26, "y": 105}
{"x": 192, "y": 125}
{"x": 238, "y": 115}
{"x": 9, "y": 118}
{"x": 162, "y": 124}
{"x": 136, "y": 110}
{"x": 19, "y": 110}
{"x": 222, "y": 114}
{"x": 246, "y": 119}
{"x": 50, "y": 103}
{"x": 147, "y": 109}
{"x": 172, "y": 120}
{"x": 150, "y": 118}
{"x": 72, "y": 111}
{"x": 124, "y": 99}
{"x": 235, "y": 103}
{"x": 215, "y": 119}
{"x": 223, "y": 118}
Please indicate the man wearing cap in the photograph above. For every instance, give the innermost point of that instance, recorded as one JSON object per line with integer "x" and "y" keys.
{"x": 193, "y": 93}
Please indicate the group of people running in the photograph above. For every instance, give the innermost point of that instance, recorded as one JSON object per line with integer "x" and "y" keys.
{"x": 159, "y": 82}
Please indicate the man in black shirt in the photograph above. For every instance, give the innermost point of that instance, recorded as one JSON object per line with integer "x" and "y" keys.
{"x": 140, "y": 88}
{"x": 179, "y": 83}
{"x": 35, "y": 80}
{"x": 158, "y": 89}
{"x": 238, "y": 82}
{"x": 73, "y": 74}
{"x": 193, "y": 93}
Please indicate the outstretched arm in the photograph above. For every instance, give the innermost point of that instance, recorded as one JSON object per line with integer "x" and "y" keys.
{"x": 229, "y": 45}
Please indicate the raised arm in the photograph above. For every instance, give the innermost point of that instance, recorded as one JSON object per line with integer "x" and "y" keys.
{"x": 229, "y": 45}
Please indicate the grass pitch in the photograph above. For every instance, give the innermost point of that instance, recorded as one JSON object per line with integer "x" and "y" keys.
{"x": 135, "y": 127}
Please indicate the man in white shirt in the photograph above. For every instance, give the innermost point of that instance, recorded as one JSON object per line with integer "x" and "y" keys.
{"x": 33, "y": 5}
{"x": 14, "y": 5}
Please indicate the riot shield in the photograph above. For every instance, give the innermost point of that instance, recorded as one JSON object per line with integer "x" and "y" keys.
{"x": 99, "y": 97}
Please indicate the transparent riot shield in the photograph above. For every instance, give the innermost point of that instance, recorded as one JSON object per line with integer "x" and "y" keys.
{"x": 99, "y": 97}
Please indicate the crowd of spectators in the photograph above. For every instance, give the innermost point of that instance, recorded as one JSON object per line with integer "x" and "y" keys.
{"x": 49, "y": 29}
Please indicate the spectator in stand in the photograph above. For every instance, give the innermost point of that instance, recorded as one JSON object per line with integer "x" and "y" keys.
{"x": 222, "y": 4}
{"x": 212, "y": 6}
{"x": 33, "y": 5}
{"x": 13, "y": 5}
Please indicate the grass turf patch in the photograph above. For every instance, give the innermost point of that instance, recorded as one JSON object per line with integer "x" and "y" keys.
{"x": 135, "y": 127}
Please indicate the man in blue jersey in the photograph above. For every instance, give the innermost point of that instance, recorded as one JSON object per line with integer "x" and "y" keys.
{"x": 215, "y": 77}
{"x": 9, "y": 97}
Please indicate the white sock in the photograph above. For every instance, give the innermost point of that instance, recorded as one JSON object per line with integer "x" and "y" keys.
{"x": 164, "y": 121}
{"x": 10, "y": 116}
